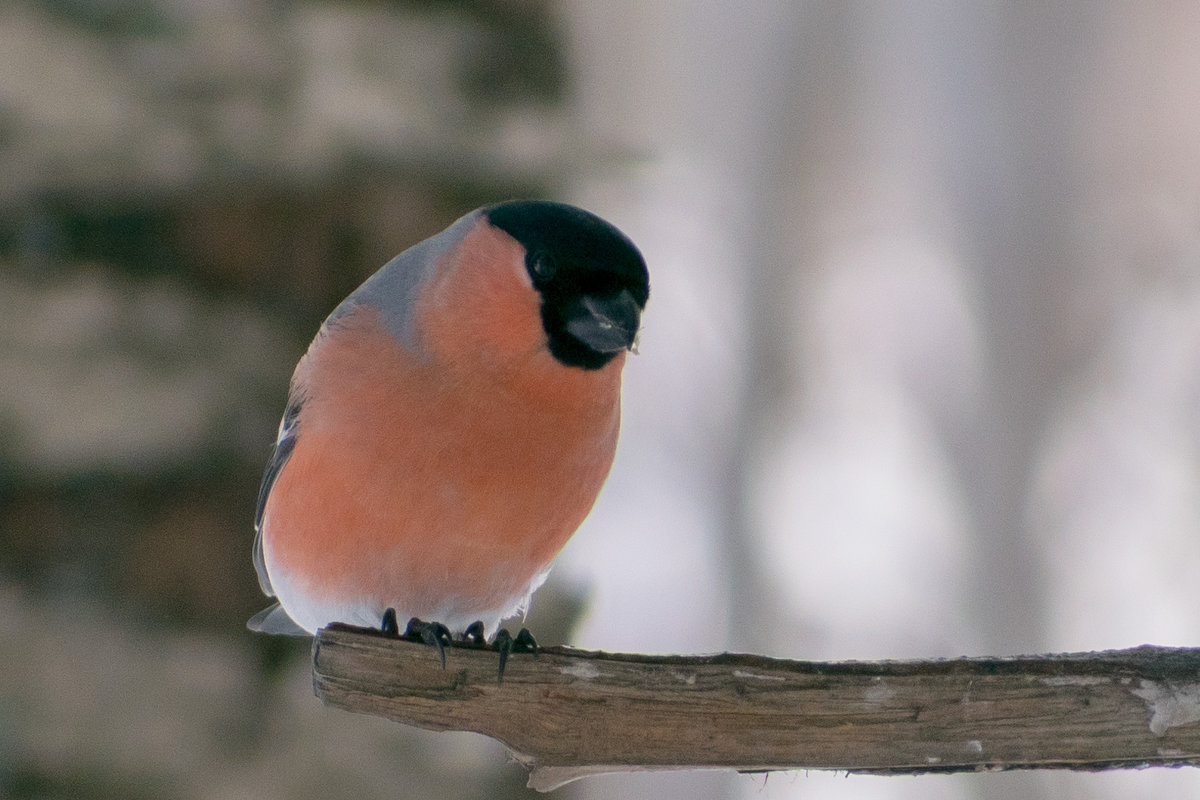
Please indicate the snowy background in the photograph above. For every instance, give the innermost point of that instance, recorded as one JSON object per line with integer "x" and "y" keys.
{"x": 920, "y": 375}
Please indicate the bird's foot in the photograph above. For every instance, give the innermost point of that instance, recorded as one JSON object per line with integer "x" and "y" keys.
{"x": 434, "y": 634}
{"x": 505, "y": 643}
{"x": 473, "y": 636}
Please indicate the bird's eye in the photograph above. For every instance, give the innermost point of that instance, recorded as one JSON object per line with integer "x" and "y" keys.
{"x": 542, "y": 266}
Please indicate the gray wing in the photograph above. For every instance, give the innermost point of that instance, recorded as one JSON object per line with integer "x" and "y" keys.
{"x": 274, "y": 619}
{"x": 288, "y": 432}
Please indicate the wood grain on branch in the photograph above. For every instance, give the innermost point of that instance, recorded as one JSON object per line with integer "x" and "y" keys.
{"x": 566, "y": 713}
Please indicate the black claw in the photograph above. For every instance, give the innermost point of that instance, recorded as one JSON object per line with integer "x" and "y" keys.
{"x": 390, "y": 626}
{"x": 502, "y": 644}
{"x": 473, "y": 635}
{"x": 434, "y": 634}
{"x": 505, "y": 643}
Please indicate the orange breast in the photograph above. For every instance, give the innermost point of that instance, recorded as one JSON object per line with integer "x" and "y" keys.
{"x": 452, "y": 477}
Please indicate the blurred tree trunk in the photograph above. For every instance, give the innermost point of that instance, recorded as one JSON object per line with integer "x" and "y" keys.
{"x": 756, "y": 95}
{"x": 1005, "y": 74}
{"x": 1011, "y": 174}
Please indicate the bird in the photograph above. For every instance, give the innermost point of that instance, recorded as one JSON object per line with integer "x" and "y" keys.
{"x": 450, "y": 427}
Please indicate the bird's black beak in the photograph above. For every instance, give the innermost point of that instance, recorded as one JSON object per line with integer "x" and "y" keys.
{"x": 605, "y": 323}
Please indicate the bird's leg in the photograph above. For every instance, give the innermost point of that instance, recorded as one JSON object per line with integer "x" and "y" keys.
{"x": 434, "y": 634}
{"x": 504, "y": 643}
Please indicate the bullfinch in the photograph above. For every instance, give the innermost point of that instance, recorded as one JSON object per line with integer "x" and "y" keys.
{"x": 450, "y": 427}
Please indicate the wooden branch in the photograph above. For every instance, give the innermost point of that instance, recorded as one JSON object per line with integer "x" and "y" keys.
{"x": 567, "y": 713}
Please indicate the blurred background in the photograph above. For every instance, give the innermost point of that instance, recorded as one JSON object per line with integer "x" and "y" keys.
{"x": 919, "y": 377}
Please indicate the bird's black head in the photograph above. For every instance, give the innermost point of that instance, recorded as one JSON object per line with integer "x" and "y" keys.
{"x": 592, "y": 279}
